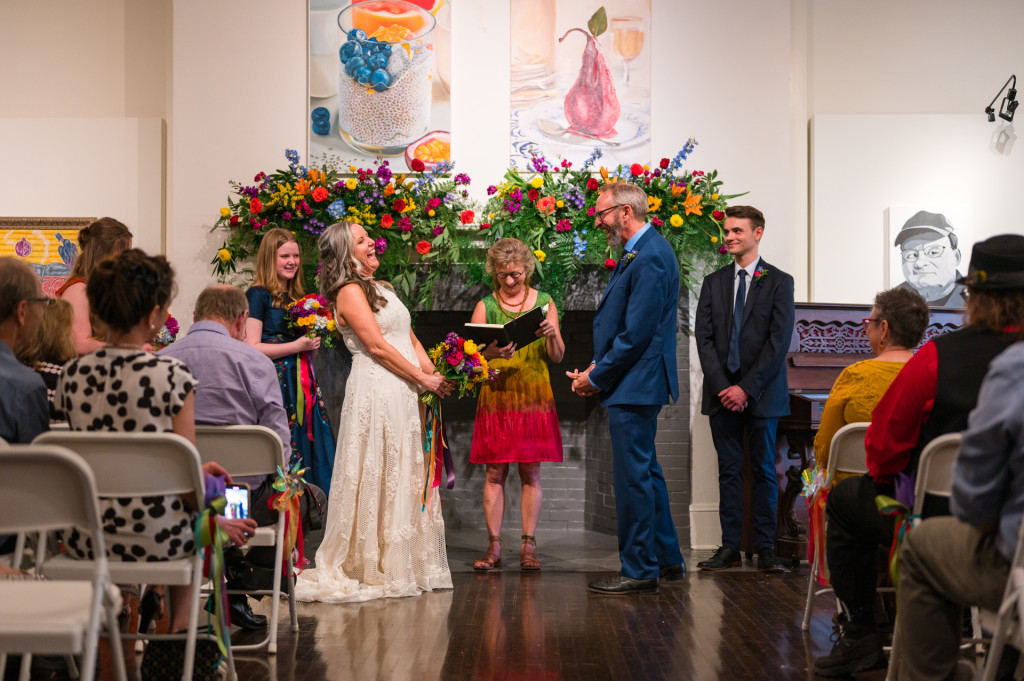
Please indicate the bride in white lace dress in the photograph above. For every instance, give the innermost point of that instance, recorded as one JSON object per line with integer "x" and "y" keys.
{"x": 378, "y": 542}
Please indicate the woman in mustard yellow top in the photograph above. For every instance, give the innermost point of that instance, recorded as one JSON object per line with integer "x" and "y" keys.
{"x": 895, "y": 327}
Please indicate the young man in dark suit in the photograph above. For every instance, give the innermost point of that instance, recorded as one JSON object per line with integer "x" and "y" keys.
{"x": 743, "y": 328}
{"x": 634, "y": 372}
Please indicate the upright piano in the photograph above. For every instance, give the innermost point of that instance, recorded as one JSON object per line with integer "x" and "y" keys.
{"x": 826, "y": 339}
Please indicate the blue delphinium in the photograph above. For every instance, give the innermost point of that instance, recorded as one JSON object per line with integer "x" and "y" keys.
{"x": 594, "y": 155}
{"x": 682, "y": 155}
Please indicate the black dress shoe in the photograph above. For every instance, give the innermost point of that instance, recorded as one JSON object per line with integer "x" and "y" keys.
{"x": 672, "y": 573}
{"x": 624, "y": 585}
{"x": 723, "y": 558}
{"x": 242, "y": 615}
{"x": 768, "y": 562}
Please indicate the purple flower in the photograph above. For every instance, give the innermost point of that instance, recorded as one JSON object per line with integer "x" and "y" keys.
{"x": 516, "y": 194}
{"x": 462, "y": 178}
{"x": 539, "y": 163}
{"x": 384, "y": 173}
{"x": 405, "y": 224}
{"x": 286, "y": 215}
{"x": 380, "y": 245}
{"x": 492, "y": 190}
{"x": 438, "y": 229}
{"x": 511, "y": 206}
{"x": 722, "y": 249}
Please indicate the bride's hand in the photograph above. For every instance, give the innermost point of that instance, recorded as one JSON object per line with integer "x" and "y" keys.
{"x": 436, "y": 383}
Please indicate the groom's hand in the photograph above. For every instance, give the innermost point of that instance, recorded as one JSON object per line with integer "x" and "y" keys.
{"x": 734, "y": 398}
{"x": 581, "y": 383}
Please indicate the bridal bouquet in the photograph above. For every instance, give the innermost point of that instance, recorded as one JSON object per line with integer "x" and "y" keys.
{"x": 461, "y": 361}
{"x": 311, "y": 316}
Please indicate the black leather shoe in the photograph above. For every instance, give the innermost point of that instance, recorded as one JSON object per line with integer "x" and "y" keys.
{"x": 672, "y": 573}
{"x": 722, "y": 559}
{"x": 624, "y": 585}
{"x": 241, "y": 614}
{"x": 858, "y": 649}
{"x": 768, "y": 562}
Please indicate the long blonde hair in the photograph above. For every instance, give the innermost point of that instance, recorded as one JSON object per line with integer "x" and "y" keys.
{"x": 96, "y": 241}
{"x": 338, "y": 266}
{"x": 266, "y": 267}
{"x": 53, "y": 341}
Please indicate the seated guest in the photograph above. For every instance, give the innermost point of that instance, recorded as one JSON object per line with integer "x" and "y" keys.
{"x": 952, "y": 562}
{"x": 23, "y": 410}
{"x": 933, "y": 395}
{"x": 894, "y": 328}
{"x": 123, "y": 388}
{"x": 237, "y": 386}
{"x": 97, "y": 240}
{"x": 51, "y": 347}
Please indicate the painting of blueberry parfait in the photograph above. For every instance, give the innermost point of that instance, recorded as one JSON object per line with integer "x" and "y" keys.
{"x": 378, "y": 82}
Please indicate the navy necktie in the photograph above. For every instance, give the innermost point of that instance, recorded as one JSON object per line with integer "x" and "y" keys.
{"x": 733, "y": 363}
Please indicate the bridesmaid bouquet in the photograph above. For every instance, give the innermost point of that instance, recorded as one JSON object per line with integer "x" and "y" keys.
{"x": 461, "y": 361}
{"x": 311, "y": 316}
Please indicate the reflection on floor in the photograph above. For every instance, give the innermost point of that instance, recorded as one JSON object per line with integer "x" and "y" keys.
{"x": 507, "y": 624}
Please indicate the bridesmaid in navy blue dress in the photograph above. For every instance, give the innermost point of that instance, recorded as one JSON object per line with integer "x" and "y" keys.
{"x": 278, "y": 284}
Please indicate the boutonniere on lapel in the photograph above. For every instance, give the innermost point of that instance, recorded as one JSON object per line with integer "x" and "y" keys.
{"x": 760, "y": 274}
{"x": 627, "y": 258}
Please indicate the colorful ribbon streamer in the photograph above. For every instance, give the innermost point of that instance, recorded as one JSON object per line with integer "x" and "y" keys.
{"x": 304, "y": 392}
{"x": 435, "y": 447}
{"x": 210, "y": 540}
{"x": 904, "y": 520}
{"x": 290, "y": 487}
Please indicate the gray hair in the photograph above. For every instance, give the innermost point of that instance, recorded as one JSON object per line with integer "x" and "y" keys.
{"x": 339, "y": 267}
{"x": 630, "y": 195}
{"x": 17, "y": 283}
{"x": 223, "y": 302}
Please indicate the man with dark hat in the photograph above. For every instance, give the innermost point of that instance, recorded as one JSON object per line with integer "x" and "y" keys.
{"x": 933, "y": 394}
{"x": 930, "y": 255}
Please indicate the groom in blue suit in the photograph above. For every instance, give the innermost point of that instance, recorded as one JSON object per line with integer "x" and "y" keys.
{"x": 634, "y": 372}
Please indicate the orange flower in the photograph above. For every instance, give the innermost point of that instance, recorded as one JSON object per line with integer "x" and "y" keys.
{"x": 677, "y": 189}
{"x": 320, "y": 193}
{"x": 604, "y": 173}
{"x": 386, "y": 221}
{"x": 389, "y": 190}
{"x": 423, "y": 247}
{"x": 692, "y": 203}
{"x": 546, "y": 205}
{"x": 314, "y": 175}
{"x": 302, "y": 187}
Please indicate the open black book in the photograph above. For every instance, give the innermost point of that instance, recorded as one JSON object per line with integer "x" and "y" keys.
{"x": 521, "y": 330}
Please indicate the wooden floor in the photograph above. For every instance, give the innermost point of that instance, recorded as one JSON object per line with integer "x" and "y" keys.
{"x": 738, "y": 624}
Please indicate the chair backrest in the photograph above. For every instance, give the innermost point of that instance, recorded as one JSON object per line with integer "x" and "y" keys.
{"x": 45, "y": 487}
{"x": 846, "y": 453}
{"x": 935, "y": 469}
{"x": 241, "y": 450}
{"x": 135, "y": 464}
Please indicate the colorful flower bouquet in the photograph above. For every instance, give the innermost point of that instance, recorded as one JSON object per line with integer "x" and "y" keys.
{"x": 461, "y": 361}
{"x": 312, "y": 316}
{"x": 167, "y": 333}
{"x": 414, "y": 218}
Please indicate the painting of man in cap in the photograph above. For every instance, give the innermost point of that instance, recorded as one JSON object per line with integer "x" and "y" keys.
{"x": 929, "y": 252}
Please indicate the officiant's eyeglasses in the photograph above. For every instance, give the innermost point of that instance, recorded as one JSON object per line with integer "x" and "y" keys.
{"x": 601, "y": 213}
{"x": 514, "y": 275}
{"x": 912, "y": 254}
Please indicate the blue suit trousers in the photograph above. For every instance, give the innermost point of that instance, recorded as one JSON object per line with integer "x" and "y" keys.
{"x": 647, "y": 535}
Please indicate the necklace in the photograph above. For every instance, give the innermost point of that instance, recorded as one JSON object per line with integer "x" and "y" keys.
{"x": 502, "y": 303}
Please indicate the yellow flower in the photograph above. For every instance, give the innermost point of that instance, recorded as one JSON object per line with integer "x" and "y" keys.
{"x": 315, "y": 305}
{"x": 653, "y": 204}
{"x": 692, "y": 203}
{"x": 409, "y": 205}
{"x": 714, "y": 197}
{"x": 224, "y": 255}
{"x": 431, "y": 212}
{"x": 469, "y": 348}
{"x": 330, "y": 325}
{"x": 490, "y": 216}
{"x": 225, "y": 213}
{"x": 675, "y": 221}
{"x": 714, "y": 239}
{"x": 560, "y": 203}
{"x": 351, "y": 183}
{"x": 537, "y": 182}
{"x": 646, "y": 167}
{"x": 352, "y": 169}
{"x": 541, "y": 255}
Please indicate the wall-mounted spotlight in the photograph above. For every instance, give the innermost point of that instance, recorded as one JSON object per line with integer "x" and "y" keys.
{"x": 1009, "y": 104}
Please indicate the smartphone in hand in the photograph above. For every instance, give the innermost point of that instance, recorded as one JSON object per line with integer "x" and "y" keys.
{"x": 237, "y": 496}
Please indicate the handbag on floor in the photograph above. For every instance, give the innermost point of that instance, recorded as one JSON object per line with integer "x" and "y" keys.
{"x": 164, "y": 660}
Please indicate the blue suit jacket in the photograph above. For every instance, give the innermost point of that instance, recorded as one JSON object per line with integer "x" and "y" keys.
{"x": 766, "y": 331}
{"x": 635, "y": 328}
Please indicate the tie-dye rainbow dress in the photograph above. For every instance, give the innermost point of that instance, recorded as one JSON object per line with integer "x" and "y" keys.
{"x": 515, "y": 415}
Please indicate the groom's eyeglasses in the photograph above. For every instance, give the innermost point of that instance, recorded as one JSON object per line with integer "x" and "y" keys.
{"x": 601, "y": 213}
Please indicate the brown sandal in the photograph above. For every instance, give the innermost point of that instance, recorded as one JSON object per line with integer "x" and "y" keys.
{"x": 528, "y": 560}
{"x": 490, "y": 560}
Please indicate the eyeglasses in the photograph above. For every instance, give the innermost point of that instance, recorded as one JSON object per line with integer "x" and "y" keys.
{"x": 45, "y": 300}
{"x": 867, "y": 320}
{"x": 912, "y": 254}
{"x": 515, "y": 276}
{"x": 601, "y": 213}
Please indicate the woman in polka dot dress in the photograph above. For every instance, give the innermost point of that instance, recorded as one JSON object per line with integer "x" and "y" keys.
{"x": 124, "y": 388}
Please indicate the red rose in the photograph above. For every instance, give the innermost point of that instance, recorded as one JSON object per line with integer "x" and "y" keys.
{"x": 386, "y": 221}
{"x": 592, "y": 185}
{"x": 398, "y": 205}
{"x": 609, "y": 264}
{"x": 319, "y": 194}
{"x": 417, "y": 165}
{"x": 255, "y": 206}
{"x": 718, "y": 215}
{"x": 533, "y": 194}
{"x": 467, "y": 216}
{"x": 484, "y": 226}
{"x": 636, "y": 169}
{"x": 664, "y": 163}
{"x": 234, "y": 221}
{"x": 423, "y": 247}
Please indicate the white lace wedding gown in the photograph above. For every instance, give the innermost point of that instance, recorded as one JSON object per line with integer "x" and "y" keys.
{"x": 378, "y": 543}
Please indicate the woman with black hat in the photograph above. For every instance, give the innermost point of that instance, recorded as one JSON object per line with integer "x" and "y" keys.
{"x": 931, "y": 396}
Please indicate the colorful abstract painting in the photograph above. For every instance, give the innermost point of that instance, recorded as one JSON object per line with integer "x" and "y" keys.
{"x": 49, "y": 245}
